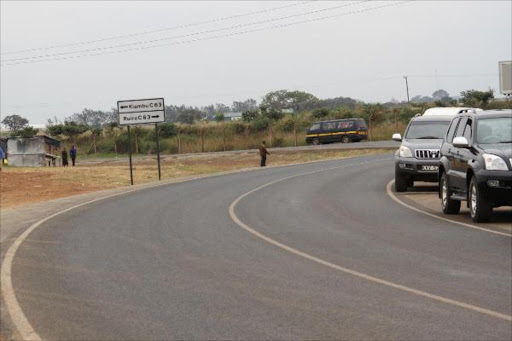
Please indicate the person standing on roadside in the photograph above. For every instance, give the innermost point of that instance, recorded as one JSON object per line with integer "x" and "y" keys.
{"x": 2, "y": 156}
{"x": 64, "y": 154}
{"x": 263, "y": 154}
{"x": 72, "y": 153}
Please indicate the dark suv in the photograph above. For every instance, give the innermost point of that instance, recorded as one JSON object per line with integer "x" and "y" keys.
{"x": 476, "y": 163}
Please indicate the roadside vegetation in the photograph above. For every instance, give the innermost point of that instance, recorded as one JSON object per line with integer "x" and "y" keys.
{"x": 281, "y": 119}
{"x": 24, "y": 185}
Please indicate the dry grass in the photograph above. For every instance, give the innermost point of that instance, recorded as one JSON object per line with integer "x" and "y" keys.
{"x": 27, "y": 185}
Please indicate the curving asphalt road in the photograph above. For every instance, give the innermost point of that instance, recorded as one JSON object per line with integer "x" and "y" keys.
{"x": 316, "y": 251}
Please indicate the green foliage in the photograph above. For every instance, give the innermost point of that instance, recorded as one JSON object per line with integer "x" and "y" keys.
{"x": 284, "y": 99}
{"x": 475, "y": 98}
{"x": 167, "y": 129}
{"x": 250, "y": 115}
{"x": 219, "y": 117}
{"x": 273, "y": 114}
{"x": 321, "y": 113}
{"x": 15, "y": 123}
{"x": 94, "y": 118}
{"x": 288, "y": 123}
{"x": 27, "y": 132}
{"x": 261, "y": 123}
{"x": 69, "y": 128}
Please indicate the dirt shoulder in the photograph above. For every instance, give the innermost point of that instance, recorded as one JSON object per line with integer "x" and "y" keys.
{"x": 424, "y": 196}
{"x": 23, "y": 185}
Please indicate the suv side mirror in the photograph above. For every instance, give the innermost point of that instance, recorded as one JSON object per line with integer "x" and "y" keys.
{"x": 397, "y": 137}
{"x": 460, "y": 142}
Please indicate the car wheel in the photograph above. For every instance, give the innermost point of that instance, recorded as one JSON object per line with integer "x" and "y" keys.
{"x": 448, "y": 205}
{"x": 400, "y": 182}
{"x": 316, "y": 141}
{"x": 479, "y": 207}
{"x": 345, "y": 139}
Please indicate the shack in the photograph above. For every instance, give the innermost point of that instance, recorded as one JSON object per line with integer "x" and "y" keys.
{"x": 37, "y": 151}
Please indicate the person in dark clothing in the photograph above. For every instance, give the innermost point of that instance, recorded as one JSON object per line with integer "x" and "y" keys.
{"x": 72, "y": 153}
{"x": 263, "y": 154}
{"x": 64, "y": 157}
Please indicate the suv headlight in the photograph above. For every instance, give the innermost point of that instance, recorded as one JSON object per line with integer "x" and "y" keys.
{"x": 404, "y": 152}
{"x": 494, "y": 162}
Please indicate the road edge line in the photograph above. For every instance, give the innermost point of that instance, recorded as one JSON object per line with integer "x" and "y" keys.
{"x": 320, "y": 261}
{"x": 395, "y": 198}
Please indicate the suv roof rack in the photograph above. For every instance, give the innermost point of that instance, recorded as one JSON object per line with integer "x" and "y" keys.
{"x": 468, "y": 111}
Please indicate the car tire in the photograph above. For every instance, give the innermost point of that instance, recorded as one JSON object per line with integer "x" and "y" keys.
{"x": 400, "y": 182}
{"x": 479, "y": 207}
{"x": 448, "y": 205}
{"x": 410, "y": 182}
{"x": 345, "y": 139}
{"x": 315, "y": 141}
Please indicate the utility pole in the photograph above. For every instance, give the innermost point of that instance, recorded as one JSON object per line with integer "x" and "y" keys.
{"x": 407, "y": 87}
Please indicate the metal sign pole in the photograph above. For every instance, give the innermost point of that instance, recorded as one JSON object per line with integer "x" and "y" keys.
{"x": 130, "y": 155}
{"x": 158, "y": 151}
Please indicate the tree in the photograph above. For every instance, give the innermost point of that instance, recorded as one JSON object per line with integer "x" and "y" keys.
{"x": 284, "y": 99}
{"x": 438, "y": 95}
{"x": 474, "y": 98}
{"x": 93, "y": 118}
{"x": 219, "y": 117}
{"x": 321, "y": 113}
{"x": 222, "y": 108}
{"x": 95, "y": 133}
{"x": 167, "y": 129}
{"x": 70, "y": 129}
{"x": 272, "y": 113}
{"x": 15, "y": 123}
{"x": 250, "y": 115}
{"x": 27, "y": 132}
{"x": 248, "y": 104}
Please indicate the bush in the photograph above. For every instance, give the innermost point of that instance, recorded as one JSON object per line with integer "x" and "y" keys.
{"x": 261, "y": 123}
{"x": 321, "y": 113}
{"x": 167, "y": 129}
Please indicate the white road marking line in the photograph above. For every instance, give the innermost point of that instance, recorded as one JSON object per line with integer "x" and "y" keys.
{"x": 12, "y": 305}
{"x": 269, "y": 240}
{"x": 395, "y": 198}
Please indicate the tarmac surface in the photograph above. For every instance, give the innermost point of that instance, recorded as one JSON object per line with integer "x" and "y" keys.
{"x": 313, "y": 251}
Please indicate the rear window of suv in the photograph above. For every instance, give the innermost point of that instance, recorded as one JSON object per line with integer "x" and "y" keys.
{"x": 494, "y": 130}
{"x": 427, "y": 129}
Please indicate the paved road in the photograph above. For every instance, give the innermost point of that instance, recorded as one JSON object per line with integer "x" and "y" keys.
{"x": 334, "y": 259}
{"x": 329, "y": 146}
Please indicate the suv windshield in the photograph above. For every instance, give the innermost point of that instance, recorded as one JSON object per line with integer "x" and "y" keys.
{"x": 494, "y": 130}
{"x": 427, "y": 130}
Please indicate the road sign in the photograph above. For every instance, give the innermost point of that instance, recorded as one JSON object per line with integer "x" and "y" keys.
{"x": 505, "y": 77}
{"x": 141, "y": 111}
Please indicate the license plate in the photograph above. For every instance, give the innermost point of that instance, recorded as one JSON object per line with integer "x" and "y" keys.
{"x": 429, "y": 168}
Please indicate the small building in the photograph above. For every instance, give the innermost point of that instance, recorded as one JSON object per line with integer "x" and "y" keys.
{"x": 37, "y": 151}
{"x": 233, "y": 116}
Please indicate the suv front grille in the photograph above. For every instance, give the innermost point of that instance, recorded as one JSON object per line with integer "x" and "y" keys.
{"x": 427, "y": 153}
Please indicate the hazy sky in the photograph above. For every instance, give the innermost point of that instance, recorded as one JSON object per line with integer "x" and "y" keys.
{"x": 205, "y": 53}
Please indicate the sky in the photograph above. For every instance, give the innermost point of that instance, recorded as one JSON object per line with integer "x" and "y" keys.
{"x": 60, "y": 57}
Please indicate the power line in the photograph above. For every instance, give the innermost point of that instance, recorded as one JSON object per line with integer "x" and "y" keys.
{"x": 159, "y": 29}
{"x": 210, "y": 38}
{"x": 146, "y": 42}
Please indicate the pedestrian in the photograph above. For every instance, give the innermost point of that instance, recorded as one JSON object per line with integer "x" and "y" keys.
{"x": 2, "y": 156}
{"x": 72, "y": 152}
{"x": 64, "y": 157}
{"x": 263, "y": 154}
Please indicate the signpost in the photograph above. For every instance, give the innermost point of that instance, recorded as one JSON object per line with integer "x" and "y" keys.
{"x": 142, "y": 111}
